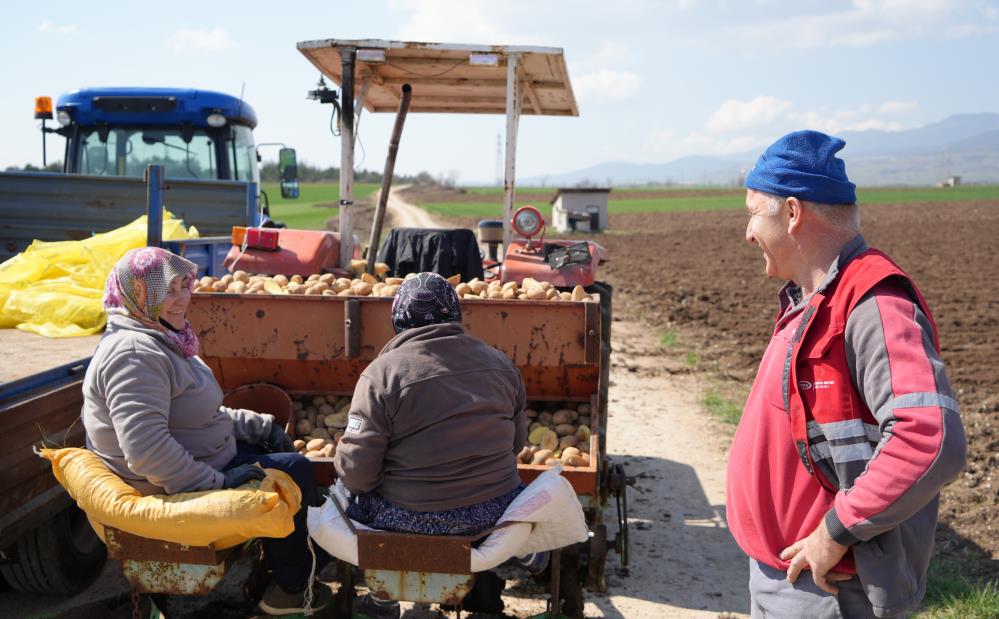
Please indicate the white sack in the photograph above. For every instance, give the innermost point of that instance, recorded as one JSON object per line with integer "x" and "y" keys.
{"x": 547, "y": 516}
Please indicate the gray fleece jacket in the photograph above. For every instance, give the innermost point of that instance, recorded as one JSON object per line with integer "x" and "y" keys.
{"x": 155, "y": 417}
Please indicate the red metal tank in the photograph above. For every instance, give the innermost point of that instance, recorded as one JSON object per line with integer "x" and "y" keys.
{"x": 299, "y": 252}
{"x": 535, "y": 260}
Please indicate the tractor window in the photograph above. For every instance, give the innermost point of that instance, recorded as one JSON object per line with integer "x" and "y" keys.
{"x": 128, "y": 151}
{"x": 244, "y": 155}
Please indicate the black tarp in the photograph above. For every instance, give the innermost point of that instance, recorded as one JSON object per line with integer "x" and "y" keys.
{"x": 442, "y": 251}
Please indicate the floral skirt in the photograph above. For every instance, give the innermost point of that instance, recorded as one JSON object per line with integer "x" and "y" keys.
{"x": 378, "y": 512}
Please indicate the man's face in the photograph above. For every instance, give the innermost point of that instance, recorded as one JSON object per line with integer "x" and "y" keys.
{"x": 769, "y": 233}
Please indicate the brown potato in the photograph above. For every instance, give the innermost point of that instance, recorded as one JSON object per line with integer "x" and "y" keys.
{"x": 296, "y": 288}
{"x": 206, "y": 281}
{"x": 530, "y": 413}
{"x": 394, "y": 281}
{"x": 567, "y": 441}
{"x": 368, "y": 278}
{"x": 319, "y": 400}
{"x": 462, "y": 290}
{"x": 299, "y": 444}
{"x": 327, "y": 278}
{"x": 545, "y": 417}
{"x": 237, "y": 288}
{"x": 454, "y": 280}
{"x": 327, "y": 450}
{"x": 312, "y": 278}
{"x": 509, "y": 294}
{"x": 226, "y": 279}
{"x": 295, "y": 279}
{"x": 549, "y": 440}
{"x": 562, "y": 416}
{"x": 281, "y": 280}
{"x": 241, "y": 276}
{"x": 313, "y": 454}
{"x": 219, "y": 286}
{"x": 362, "y": 289}
{"x": 565, "y": 429}
{"x": 315, "y": 444}
{"x": 303, "y": 427}
{"x": 524, "y": 456}
{"x": 541, "y": 456}
{"x": 578, "y": 294}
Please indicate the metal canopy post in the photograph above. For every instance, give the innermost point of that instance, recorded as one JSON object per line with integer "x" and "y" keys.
{"x": 513, "y": 103}
{"x": 347, "y": 55}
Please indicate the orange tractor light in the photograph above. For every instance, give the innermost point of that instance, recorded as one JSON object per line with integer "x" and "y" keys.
{"x": 43, "y": 108}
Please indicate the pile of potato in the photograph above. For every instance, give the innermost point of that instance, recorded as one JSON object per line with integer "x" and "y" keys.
{"x": 319, "y": 423}
{"x": 559, "y": 434}
{"x": 528, "y": 290}
{"x": 365, "y": 284}
{"x": 327, "y": 284}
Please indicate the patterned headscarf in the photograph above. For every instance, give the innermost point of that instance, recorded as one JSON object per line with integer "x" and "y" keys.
{"x": 427, "y": 299}
{"x": 138, "y": 284}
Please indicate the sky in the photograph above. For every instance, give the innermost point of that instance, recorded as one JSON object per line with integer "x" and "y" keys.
{"x": 654, "y": 80}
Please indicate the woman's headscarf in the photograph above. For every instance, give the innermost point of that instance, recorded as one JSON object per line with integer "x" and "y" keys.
{"x": 426, "y": 299}
{"x": 138, "y": 284}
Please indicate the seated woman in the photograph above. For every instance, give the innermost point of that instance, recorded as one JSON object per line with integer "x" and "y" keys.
{"x": 435, "y": 425}
{"x": 153, "y": 412}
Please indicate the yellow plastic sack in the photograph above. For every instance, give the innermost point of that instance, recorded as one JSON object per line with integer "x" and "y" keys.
{"x": 55, "y": 289}
{"x": 224, "y": 518}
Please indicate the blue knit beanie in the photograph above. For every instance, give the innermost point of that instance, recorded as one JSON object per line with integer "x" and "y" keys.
{"x": 803, "y": 164}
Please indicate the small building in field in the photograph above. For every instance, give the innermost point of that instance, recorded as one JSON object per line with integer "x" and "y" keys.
{"x": 580, "y": 209}
{"x": 951, "y": 181}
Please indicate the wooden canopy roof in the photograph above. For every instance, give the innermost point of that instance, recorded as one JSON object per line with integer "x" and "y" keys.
{"x": 453, "y": 78}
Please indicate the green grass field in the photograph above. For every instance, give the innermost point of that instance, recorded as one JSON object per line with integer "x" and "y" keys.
{"x": 304, "y": 213}
{"x": 733, "y": 200}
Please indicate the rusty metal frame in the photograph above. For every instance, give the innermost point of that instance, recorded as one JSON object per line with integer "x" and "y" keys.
{"x": 156, "y": 566}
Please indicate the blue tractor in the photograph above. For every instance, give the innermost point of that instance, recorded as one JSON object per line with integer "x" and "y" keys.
{"x": 194, "y": 134}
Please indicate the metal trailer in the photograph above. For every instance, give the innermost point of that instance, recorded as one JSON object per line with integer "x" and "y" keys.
{"x": 321, "y": 344}
{"x": 561, "y": 348}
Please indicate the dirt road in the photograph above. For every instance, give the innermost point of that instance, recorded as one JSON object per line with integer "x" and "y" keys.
{"x": 403, "y": 214}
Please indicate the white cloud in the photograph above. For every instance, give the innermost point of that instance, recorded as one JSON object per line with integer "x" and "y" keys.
{"x": 187, "y": 39}
{"x": 863, "y": 23}
{"x": 738, "y": 126}
{"x": 48, "y": 27}
{"x": 896, "y": 107}
{"x": 459, "y": 21}
{"x": 607, "y": 86}
{"x": 735, "y": 115}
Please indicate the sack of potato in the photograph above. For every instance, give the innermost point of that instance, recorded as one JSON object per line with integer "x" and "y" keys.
{"x": 319, "y": 424}
{"x": 366, "y": 284}
{"x": 558, "y": 435}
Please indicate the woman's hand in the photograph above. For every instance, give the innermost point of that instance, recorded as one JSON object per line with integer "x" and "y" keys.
{"x": 278, "y": 440}
{"x": 237, "y": 476}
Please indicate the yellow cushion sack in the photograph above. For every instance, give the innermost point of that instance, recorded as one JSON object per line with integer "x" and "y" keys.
{"x": 224, "y": 518}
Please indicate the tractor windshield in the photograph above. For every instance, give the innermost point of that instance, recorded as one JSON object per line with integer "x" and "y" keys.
{"x": 126, "y": 151}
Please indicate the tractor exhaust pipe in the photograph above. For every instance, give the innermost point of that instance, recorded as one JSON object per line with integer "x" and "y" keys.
{"x": 376, "y": 227}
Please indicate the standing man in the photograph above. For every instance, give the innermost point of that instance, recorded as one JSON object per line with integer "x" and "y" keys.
{"x": 851, "y": 427}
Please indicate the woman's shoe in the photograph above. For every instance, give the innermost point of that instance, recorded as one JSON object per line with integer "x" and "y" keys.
{"x": 278, "y": 602}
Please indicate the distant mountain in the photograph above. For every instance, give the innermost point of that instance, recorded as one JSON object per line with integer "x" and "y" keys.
{"x": 966, "y": 145}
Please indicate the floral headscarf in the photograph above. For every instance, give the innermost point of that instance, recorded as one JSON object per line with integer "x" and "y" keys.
{"x": 426, "y": 299}
{"x": 138, "y": 284}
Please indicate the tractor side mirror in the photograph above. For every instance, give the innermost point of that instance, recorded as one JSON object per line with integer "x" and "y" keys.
{"x": 288, "y": 171}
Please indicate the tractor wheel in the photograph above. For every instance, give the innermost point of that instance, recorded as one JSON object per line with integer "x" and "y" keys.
{"x": 61, "y": 557}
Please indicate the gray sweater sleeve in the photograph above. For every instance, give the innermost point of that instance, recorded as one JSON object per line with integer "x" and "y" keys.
{"x": 899, "y": 374}
{"x": 248, "y": 426}
{"x": 137, "y": 386}
{"x": 360, "y": 455}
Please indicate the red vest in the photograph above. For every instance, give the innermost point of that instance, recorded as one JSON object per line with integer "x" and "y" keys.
{"x": 818, "y": 384}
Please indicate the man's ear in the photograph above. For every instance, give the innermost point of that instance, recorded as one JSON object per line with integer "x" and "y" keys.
{"x": 793, "y": 214}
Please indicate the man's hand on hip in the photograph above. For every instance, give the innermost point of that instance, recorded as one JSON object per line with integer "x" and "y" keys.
{"x": 820, "y": 553}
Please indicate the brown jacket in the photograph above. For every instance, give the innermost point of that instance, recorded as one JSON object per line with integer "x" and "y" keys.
{"x": 436, "y": 422}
